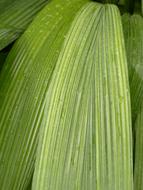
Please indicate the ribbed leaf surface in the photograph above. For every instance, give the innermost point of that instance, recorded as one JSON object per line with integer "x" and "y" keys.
{"x": 133, "y": 34}
{"x": 133, "y": 31}
{"x": 138, "y": 163}
{"x": 5, "y": 3}
{"x": 15, "y": 17}
{"x": 24, "y": 81}
{"x": 85, "y": 141}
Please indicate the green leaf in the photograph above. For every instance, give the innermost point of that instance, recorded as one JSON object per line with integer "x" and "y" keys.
{"x": 86, "y": 140}
{"x": 133, "y": 33}
{"x": 24, "y": 81}
{"x": 15, "y": 16}
{"x": 138, "y": 163}
{"x": 142, "y": 6}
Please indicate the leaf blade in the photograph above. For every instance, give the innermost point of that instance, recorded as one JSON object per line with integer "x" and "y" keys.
{"x": 80, "y": 83}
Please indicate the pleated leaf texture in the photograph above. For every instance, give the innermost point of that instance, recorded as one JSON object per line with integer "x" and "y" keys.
{"x": 86, "y": 140}
{"x": 133, "y": 34}
{"x": 24, "y": 81}
{"x": 5, "y": 3}
{"x": 15, "y": 16}
{"x": 138, "y": 162}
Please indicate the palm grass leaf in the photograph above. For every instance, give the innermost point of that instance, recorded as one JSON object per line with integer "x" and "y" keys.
{"x": 133, "y": 34}
{"x": 24, "y": 81}
{"x": 86, "y": 141}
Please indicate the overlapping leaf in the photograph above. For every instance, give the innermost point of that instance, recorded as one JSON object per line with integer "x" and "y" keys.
{"x": 24, "y": 81}
{"x": 85, "y": 141}
{"x": 15, "y": 17}
{"x": 133, "y": 34}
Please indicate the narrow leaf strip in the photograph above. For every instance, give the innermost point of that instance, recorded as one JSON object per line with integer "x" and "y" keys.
{"x": 142, "y": 7}
{"x": 133, "y": 31}
{"x": 138, "y": 163}
{"x": 86, "y": 141}
{"x": 24, "y": 81}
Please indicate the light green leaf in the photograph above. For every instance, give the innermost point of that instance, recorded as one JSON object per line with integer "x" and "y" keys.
{"x": 86, "y": 140}
{"x": 24, "y": 81}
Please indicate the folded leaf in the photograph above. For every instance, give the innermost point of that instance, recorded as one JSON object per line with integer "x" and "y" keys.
{"x": 15, "y": 17}
{"x": 24, "y": 81}
{"x": 133, "y": 32}
{"x": 85, "y": 140}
